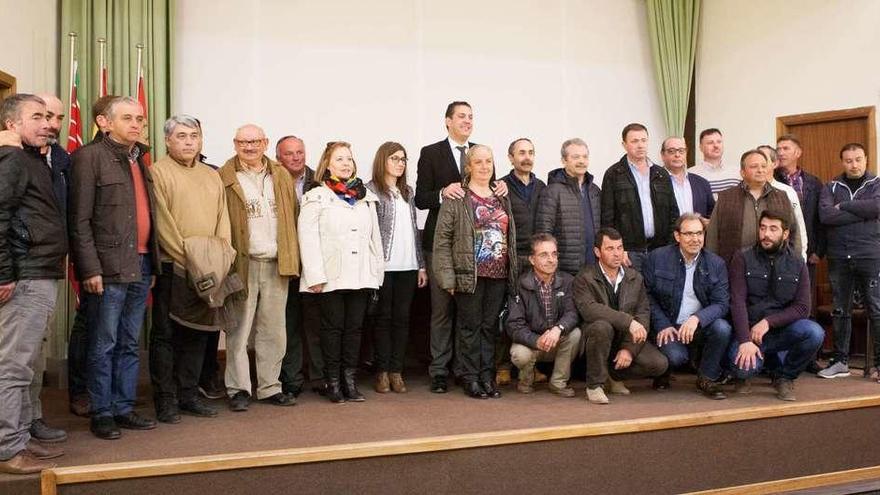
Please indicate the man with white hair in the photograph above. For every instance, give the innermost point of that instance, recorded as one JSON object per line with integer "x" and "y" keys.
{"x": 190, "y": 201}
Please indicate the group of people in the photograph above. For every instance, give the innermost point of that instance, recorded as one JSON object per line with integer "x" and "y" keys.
{"x": 662, "y": 267}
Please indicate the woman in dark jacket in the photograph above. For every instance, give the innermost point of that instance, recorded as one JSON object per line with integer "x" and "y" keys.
{"x": 404, "y": 265}
{"x": 475, "y": 260}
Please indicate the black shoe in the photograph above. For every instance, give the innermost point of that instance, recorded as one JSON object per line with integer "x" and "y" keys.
{"x": 491, "y": 389}
{"x": 240, "y": 401}
{"x": 212, "y": 389}
{"x": 438, "y": 385}
{"x": 349, "y": 386}
{"x": 134, "y": 421}
{"x": 166, "y": 411}
{"x": 281, "y": 399}
{"x": 196, "y": 407}
{"x": 320, "y": 389}
{"x": 105, "y": 428}
{"x": 292, "y": 390}
{"x": 661, "y": 383}
{"x": 813, "y": 367}
{"x": 333, "y": 392}
{"x": 45, "y": 433}
{"x": 710, "y": 388}
{"x": 473, "y": 389}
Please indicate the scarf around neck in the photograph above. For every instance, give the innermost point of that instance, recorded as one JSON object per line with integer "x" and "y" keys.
{"x": 349, "y": 190}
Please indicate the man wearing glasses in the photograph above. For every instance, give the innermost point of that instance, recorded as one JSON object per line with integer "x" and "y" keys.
{"x": 693, "y": 194}
{"x": 689, "y": 295}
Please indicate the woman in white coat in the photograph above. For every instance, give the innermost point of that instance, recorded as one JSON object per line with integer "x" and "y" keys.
{"x": 342, "y": 259}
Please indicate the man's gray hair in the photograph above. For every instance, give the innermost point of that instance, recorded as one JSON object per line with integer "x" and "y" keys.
{"x": 108, "y": 112}
{"x": 688, "y": 217}
{"x": 10, "y": 108}
{"x": 570, "y": 142}
{"x": 181, "y": 119}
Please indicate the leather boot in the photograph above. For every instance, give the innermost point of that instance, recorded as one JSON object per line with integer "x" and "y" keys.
{"x": 383, "y": 385}
{"x": 397, "y": 383}
{"x": 333, "y": 392}
{"x": 349, "y": 385}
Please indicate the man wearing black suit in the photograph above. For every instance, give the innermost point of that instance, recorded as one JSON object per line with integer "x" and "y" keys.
{"x": 303, "y": 311}
{"x": 693, "y": 194}
{"x": 441, "y": 166}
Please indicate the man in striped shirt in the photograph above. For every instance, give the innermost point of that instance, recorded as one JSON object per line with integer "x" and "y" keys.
{"x": 712, "y": 168}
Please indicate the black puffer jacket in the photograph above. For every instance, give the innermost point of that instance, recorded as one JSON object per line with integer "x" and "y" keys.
{"x": 523, "y": 212}
{"x": 33, "y": 239}
{"x": 621, "y": 207}
{"x": 560, "y": 214}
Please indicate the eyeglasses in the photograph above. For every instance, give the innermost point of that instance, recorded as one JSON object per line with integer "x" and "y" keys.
{"x": 697, "y": 233}
{"x": 398, "y": 159}
{"x": 245, "y": 144}
{"x": 676, "y": 151}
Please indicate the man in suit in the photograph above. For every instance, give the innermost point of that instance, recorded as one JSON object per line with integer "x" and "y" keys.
{"x": 440, "y": 169}
{"x": 693, "y": 194}
{"x": 303, "y": 310}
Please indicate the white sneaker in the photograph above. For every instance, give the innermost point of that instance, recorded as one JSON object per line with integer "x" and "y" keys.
{"x": 597, "y": 395}
{"x": 838, "y": 369}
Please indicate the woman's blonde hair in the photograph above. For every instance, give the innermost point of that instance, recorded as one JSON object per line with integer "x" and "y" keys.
{"x": 466, "y": 178}
{"x": 324, "y": 163}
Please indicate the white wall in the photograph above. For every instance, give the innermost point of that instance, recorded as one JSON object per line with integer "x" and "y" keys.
{"x": 30, "y": 44}
{"x": 764, "y": 59}
{"x": 368, "y": 72}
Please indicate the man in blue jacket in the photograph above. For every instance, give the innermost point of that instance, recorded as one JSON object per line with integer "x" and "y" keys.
{"x": 693, "y": 194}
{"x": 849, "y": 208}
{"x": 689, "y": 295}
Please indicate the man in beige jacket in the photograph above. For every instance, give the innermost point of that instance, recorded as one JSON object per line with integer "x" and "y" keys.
{"x": 262, "y": 206}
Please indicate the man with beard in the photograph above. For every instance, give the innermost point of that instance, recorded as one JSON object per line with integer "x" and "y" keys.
{"x": 770, "y": 306}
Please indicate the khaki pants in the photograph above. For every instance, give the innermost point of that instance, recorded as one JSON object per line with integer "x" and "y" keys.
{"x": 264, "y": 314}
{"x": 562, "y": 356}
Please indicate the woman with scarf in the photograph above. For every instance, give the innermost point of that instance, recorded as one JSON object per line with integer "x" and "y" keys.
{"x": 342, "y": 260}
{"x": 404, "y": 266}
{"x": 475, "y": 260}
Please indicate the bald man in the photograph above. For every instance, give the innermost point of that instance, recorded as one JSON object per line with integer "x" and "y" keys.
{"x": 261, "y": 199}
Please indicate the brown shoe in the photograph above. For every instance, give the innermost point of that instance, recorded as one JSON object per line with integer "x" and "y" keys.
{"x": 524, "y": 387}
{"x": 566, "y": 392}
{"x": 80, "y": 406}
{"x": 382, "y": 384}
{"x": 540, "y": 377}
{"x": 24, "y": 463}
{"x": 397, "y": 383}
{"x": 502, "y": 378}
{"x": 43, "y": 451}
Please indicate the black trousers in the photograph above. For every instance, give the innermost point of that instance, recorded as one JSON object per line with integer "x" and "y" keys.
{"x": 303, "y": 325}
{"x": 210, "y": 365}
{"x": 176, "y": 352}
{"x": 342, "y": 316}
{"x": 392, "y": 324}
{"x": 477, "y": 322}
{"x": 78, "y": 353}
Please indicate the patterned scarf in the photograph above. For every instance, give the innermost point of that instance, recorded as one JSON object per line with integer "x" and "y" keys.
{"x": 349, "y": 191}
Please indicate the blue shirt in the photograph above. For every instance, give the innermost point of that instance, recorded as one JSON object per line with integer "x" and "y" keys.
{"x": 643, "y": 184}
{"x": 689, "y": 302}
{"x": 684, "y": 197}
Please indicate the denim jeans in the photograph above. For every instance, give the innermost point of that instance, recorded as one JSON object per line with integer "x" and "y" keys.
{"x": 78, "y": 352}
{"x": 714, "y": 339}
{"x": 116, "y": 317}
{"x": 846, "y": 276}
{"x": 800, "y": 339}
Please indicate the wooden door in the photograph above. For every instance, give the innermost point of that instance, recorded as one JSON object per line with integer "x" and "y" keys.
{"x": 822, "y": 134}
{"x": 7, "y": 85}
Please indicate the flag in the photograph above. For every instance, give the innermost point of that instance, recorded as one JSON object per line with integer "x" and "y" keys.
{"x": 74, "y": 128}
{"x": 102, "y": 87}
{"x": 142, "y": 99}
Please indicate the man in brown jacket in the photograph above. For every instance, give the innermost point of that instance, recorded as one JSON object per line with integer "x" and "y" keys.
{"x": 111, "y": 223}
{"x": 262, "y": 206}
{"x": 734, "y": 223}
{"x": 613, "y": 303}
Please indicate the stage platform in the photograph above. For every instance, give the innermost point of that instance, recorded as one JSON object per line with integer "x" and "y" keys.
{"x": 649, "y": 442}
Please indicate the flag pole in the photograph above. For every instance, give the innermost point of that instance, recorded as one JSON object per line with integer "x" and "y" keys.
{"x": 102, "y": 43}
{"x": 140, "y": 53}
{"x": 72, "y": 36}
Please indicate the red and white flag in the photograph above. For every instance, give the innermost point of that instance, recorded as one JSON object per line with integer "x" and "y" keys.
{"x": 142, "y": 99}
{"x": 74, "y": 128}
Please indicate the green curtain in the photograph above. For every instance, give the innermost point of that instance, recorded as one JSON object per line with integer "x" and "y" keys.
{"x": 124, "y": 24}
{"x": 672, "y": 27}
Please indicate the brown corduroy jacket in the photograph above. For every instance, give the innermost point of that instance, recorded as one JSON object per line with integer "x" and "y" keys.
{"x": 286, "y": 205}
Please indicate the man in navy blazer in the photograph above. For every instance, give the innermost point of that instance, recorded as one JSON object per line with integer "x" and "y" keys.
{"x": 692, "y": 192}
{"x": 440, "y": 169}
